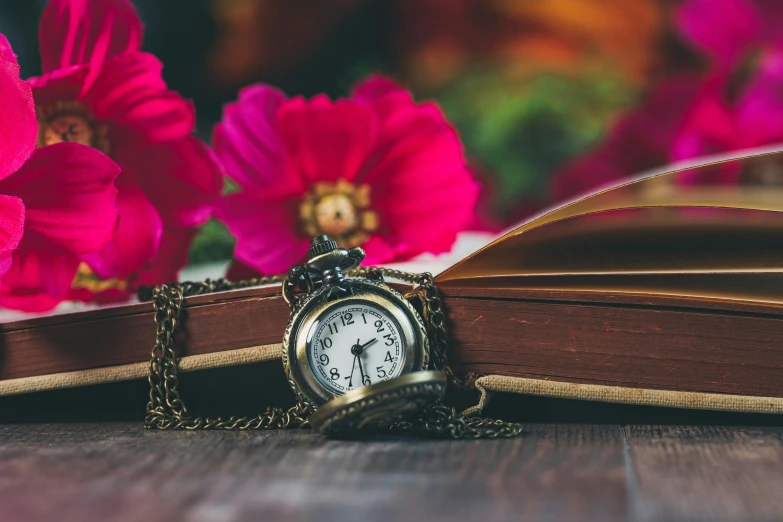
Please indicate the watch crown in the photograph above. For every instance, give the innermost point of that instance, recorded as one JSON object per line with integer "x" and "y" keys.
{"x": 321, "y": 245}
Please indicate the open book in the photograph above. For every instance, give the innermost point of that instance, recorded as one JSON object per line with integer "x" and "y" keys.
{"x": 665, "y": 290}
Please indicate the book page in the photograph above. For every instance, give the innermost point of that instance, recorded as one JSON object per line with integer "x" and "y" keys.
{"x": 683, "y": 220}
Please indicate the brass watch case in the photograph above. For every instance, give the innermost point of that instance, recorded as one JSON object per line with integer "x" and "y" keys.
{"x": 297, "y": 367}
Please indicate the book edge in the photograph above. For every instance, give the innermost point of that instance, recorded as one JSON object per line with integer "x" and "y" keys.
{"x": 489, "y": 384}
{"x": 126, "y": 372}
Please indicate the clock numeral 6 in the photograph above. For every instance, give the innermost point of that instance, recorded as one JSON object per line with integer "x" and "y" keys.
{"x": 381, "y": 372}
{"x": 366, "y": 380}
{"x": 334, "y": 374}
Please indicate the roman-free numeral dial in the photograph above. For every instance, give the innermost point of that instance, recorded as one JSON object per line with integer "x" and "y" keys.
{"x": 355, "y": 345}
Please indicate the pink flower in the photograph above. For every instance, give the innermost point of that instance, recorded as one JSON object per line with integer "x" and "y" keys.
{"x": 376, "y": 170}
{"x": 745, "y": 108}
{"x": 100, "y": 90}
{"x": 643, "y": 139}
{"x": 730, "y": 108}
{"x": 57, "y": 202}
{"x": 726, "y": 30}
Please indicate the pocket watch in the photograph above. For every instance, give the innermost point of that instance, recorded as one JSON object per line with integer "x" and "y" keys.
{"x": 354, "y": 348}
{"x": 355, "y": 351}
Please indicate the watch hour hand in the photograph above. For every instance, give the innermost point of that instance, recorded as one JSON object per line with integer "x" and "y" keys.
{"x": 368, "y": 343}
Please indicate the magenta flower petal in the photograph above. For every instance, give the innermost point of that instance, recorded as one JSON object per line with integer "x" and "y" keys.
{"x": 588, "y": 172}
{"x": 723, "y": 29}
{"x": 266, "y": 231}
{"x": 38, "y": 280}
{"x": 179, "y": 177}
{"x": 247, "y": 142}
{"x": 172, "y": 256}
{"x": 18, "y": 128}
{"x": 135, "y": 241}
{"x": 708, "y": 128}
{"x": 375, "y": 87}
{"x": 416, "y": 147}
{"x": 378, "y": 251}
{"x": 130, "y": 92}
{"x": 59, "y": 85}
{"x": 639, "y": 141}
{"x": 68, "y": 191}
{"x": 390, "y": 163}
{"x": 326, "y": 140}
{"x": 447, "y": 210}
{"x": 87, "y": 32}
{"x": 11, "y": 228}
{"x": 760, "y": 106}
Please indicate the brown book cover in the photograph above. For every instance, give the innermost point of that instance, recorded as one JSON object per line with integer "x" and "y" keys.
{"x": 657, "y": 291}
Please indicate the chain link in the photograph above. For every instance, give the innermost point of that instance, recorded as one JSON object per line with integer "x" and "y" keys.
{"x": 441, "y": 421}
{"x": 167, "y": 410}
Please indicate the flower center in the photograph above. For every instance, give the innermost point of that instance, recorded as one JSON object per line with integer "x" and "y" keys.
{"x": 336, "y": 215}
{"x": 85, "y": 278}
{"x": 70, "y": 122}
{"x": 340, "y": 210}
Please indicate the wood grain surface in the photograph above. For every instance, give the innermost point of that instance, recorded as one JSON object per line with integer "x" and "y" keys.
{"x": 119, "y": 472}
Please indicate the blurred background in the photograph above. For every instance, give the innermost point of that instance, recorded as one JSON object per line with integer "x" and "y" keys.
{"x": 530, "y": 85}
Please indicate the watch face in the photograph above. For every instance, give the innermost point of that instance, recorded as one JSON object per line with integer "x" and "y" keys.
{"x": 355, "y": 344}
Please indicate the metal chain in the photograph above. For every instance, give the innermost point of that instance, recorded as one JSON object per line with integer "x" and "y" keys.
{"x": 441, "y": 421}
{"x": 167, "y": 410}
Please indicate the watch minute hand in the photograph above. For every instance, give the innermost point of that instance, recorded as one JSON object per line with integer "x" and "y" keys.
{"x": 361, "y": 370}
{"x": 353, "y": 366}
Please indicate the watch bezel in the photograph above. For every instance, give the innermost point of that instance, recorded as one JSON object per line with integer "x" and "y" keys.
{"x": 295, "y": 360}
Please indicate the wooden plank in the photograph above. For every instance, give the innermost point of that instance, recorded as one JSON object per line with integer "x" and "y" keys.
{"x": 704, "y": 473}
{"x": 119, "y": 472}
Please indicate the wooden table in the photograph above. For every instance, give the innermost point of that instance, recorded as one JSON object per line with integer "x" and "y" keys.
{"x": 120, "y": 472}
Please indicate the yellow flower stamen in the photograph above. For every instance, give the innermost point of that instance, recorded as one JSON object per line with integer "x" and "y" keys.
{"x": 70, "y": 121}
{"x": 340, "y": 210}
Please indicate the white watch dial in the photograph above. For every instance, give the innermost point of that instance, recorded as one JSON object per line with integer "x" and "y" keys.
{"x": 353, "y": 345}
